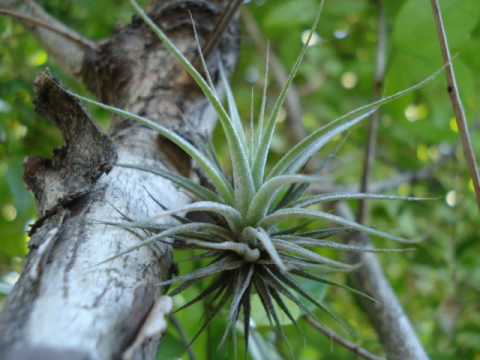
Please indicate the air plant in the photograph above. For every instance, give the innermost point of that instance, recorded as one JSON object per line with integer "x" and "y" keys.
{"x": 249, "y": 252}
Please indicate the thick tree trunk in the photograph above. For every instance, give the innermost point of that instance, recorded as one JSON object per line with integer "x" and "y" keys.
{"x": 64, "y": 305}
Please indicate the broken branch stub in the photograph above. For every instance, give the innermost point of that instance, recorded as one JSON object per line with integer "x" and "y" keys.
{"x": 87, "y": 154}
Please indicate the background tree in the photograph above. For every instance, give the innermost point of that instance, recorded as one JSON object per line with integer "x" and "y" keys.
{"x": 417, "y": 144}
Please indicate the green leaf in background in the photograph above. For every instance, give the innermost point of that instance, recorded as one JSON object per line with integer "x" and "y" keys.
{"x": 416, "y": 52}
{"x": 171, "y": 348}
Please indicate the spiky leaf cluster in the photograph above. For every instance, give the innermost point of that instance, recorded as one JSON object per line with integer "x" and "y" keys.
{"x": 249, "y": 253}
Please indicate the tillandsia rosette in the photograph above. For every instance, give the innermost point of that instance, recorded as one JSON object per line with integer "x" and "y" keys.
{"x": 247, "y": 248}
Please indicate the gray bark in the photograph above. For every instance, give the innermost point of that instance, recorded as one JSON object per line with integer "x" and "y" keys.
{"x": 65, "y": 305}
{"x": 394, "y": 329}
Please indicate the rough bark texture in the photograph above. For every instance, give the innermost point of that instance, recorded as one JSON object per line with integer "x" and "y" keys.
{"x": 64, "y": 306}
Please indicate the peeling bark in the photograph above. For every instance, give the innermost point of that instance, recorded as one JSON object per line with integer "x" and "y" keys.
{"x": 65, "y": 305}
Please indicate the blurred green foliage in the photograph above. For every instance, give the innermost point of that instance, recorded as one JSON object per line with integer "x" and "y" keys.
{"x": 439, "y": 283}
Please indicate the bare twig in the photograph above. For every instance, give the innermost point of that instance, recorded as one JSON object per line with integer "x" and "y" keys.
{"x": 293, "y": 104}
{"x": 60, "y": 31}
{"x": 457, "y": 105}
{"x": 388, "y": 317}
{"x": 350, "y": 346}
{"x": 216, "y": 34}
{"x": 370, "y": 152}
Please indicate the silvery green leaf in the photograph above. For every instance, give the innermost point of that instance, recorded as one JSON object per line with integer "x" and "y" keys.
{"x": 201, "y": 192}
{"x": 200, "y": 54}
{"x": 241, "y": 170}
{"x": 241, "y": 249}
{"x": 230, "y": 214}
{"x": 352, "y": 196}
{"x": 313, "y": 277}
{"x": 298, "y": 156}
{"x": 267, "y": 135}
{"x": 305, "y": 254}
{"x": 224, "y": 264}
{"x": 251, "y": 138}
{"x": 171, "y": 231}
{"x": 305, "y": 241}
{"x": 263, "y": 106}
{"x": 207, "y": 166}
{"x": 293, "y": 193}
{"x": 267, "y": 244}
{"x": 300, "y": 153}
{"x": 262, "y": 200}
{"x": 232, "y": 107}
{"x": 295, "y": 263}
{"x": 303, "y": 214}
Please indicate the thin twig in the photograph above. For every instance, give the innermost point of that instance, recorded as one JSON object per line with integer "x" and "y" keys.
{"x": 370, "y": 151}
{"x": 457, "y": 105}
{"x": 183, "y": 336}
{"x": 350, "y": 346}
{"x": 216, "y": 34}
{"x": 293, "y": 103}
{"x": 389, "y": 319}
{"x": 86, "y": 44}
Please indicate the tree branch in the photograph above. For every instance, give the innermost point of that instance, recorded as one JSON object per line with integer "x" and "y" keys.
{"x": 456, "y": 100}
{"x": 370, "y": 151}
{"x": 67, "y": 47}
{"x": 388, "y": 317}
{"x": 63, "y": 306}
{"x": 221, "y": 24}
{"x": 393, "y": 327}
{"x": 352, "y": 347}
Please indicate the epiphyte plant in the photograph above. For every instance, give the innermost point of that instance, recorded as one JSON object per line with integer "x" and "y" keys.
{"x": 249, "y": 252}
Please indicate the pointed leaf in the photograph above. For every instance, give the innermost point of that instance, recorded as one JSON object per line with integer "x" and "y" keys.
{"x": 267, "y": 244}
{"x": 205, "y": 164}
{"x": 310, "y": 276}
{"x": 305, "y": 241}
{"x": 352, "y": 196}
{"x": 201, "y": 192}
{"x": 242, "y": 175}
{"x": 231, "y": 215}
{"x": 224, "y": 264}
{"x": 267, "y": 136}
{"x": 171, "y": 231}
{"x": 308, "y": 254}
{"x": 263, "y": 198}
{"x": 300, "y": 153}
{"x": 303, "y": 214}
